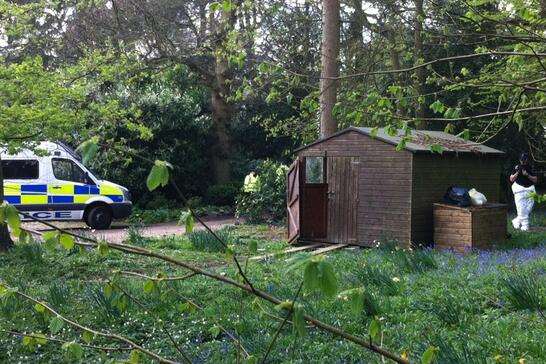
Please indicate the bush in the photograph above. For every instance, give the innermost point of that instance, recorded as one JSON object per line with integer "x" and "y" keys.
{"x": 263, "y": 196}
{"x": 222, "y": 195}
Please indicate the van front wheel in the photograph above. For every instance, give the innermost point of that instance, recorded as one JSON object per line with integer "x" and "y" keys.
{"x": 99, "y": 217}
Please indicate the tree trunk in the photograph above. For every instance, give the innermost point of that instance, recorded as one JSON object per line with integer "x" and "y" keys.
{"x": 5, "y": 238}
{"x": 222, "y": 110}
{"x": 543, "y": 8}
{"x": 330, "y": 66}
{"x": 222, "y": 113}
{"x": 419, "y": 58}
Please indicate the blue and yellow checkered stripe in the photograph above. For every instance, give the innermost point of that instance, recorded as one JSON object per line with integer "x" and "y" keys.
{"x": 42, "y": 194}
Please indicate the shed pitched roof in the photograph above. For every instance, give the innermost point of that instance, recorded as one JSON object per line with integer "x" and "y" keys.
{"x": 421, "y": 140}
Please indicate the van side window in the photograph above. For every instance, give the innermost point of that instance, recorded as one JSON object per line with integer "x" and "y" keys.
{"x": 20, "y": 169}
{"x": 67, "y": 170}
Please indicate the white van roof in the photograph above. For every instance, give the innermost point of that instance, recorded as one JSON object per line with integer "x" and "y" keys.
{"x": 51, "y": 148}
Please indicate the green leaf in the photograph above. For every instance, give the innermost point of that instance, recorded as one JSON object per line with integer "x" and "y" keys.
{"x": 328, "y": 279}
{"x": 28, "y": 340}
{"x": 159, "y": 175}
{"x": 67, "y": 241}
{"x": 185, "y": 307}
{"x": 12, "y": 217}
{"x": 189, "y": 222}
{"x": 88, "y": 149}
{"x": 437, "y": 106}
{"x": 73, "y": 350}
{"x": 40, "y": 338}
{"x": 429, "y": 356}
{"x": 88, "y": 337}
{"x": 51, "y": 239}
{"x": 121, "y": 303}
{"x": 436, "y": 148}
{"x": 4, "y": 291}
{"x": 103, "y": 248}
{"x": 285, "y": 305}
{"x": 134, "y": 357}
{"x": 390, "y": 130}
{"x": 149, "y": 286}
{"x": 319, "y": 274}
{"x": 55, "y": 325}
{"x": 108, "y": 290}
{"x": 214, "y": 331}
{"x": 298, "y": 320}
{"x": 375, "y": 329}
{"x": 40, "y": 308}
{"x": 311, "y": 279}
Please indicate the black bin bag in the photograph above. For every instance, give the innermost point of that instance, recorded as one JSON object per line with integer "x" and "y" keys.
{"x": 457, "y": 196}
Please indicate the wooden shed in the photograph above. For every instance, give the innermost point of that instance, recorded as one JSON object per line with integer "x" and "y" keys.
{"x": 355, "y": 187}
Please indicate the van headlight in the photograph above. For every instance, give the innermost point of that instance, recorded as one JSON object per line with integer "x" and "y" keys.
{"x": 126, "y": 195}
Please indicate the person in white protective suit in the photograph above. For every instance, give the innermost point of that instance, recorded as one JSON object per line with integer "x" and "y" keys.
{"x": 523, "y": 180}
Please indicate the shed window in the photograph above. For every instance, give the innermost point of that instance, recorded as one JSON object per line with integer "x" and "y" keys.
{"x": 20, "y": 169}
{"x": 314, "y": 170}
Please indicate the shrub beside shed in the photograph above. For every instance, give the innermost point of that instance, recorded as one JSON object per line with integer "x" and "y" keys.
{"x": 355, "y": 187}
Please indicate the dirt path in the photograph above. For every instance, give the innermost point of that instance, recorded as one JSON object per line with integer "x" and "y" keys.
{"x": 119, "y": 232}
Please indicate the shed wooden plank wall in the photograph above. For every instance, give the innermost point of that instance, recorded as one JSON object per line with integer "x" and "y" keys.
{"x": 433, "y": 174}
{"x": 384, "y": 185}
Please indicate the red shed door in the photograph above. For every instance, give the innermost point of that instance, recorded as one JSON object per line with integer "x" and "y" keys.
{"x": 293, "y": 188}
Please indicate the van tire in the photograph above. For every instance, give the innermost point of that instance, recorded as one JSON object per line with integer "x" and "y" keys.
{"x": 99, "y": 217}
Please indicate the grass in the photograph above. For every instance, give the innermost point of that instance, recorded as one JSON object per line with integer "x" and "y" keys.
{"x": 478, "y": 307}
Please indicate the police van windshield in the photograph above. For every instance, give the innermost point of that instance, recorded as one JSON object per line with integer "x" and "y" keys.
{"x": 67, "y": 170}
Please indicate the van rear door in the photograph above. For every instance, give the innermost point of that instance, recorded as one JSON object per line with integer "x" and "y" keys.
{"x": 22, "y": 183}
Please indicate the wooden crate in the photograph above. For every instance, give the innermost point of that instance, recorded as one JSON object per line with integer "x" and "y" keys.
{"x": 464, "y": 228}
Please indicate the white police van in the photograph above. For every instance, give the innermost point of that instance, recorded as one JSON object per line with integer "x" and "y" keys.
{"x": 53, "y": 184}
